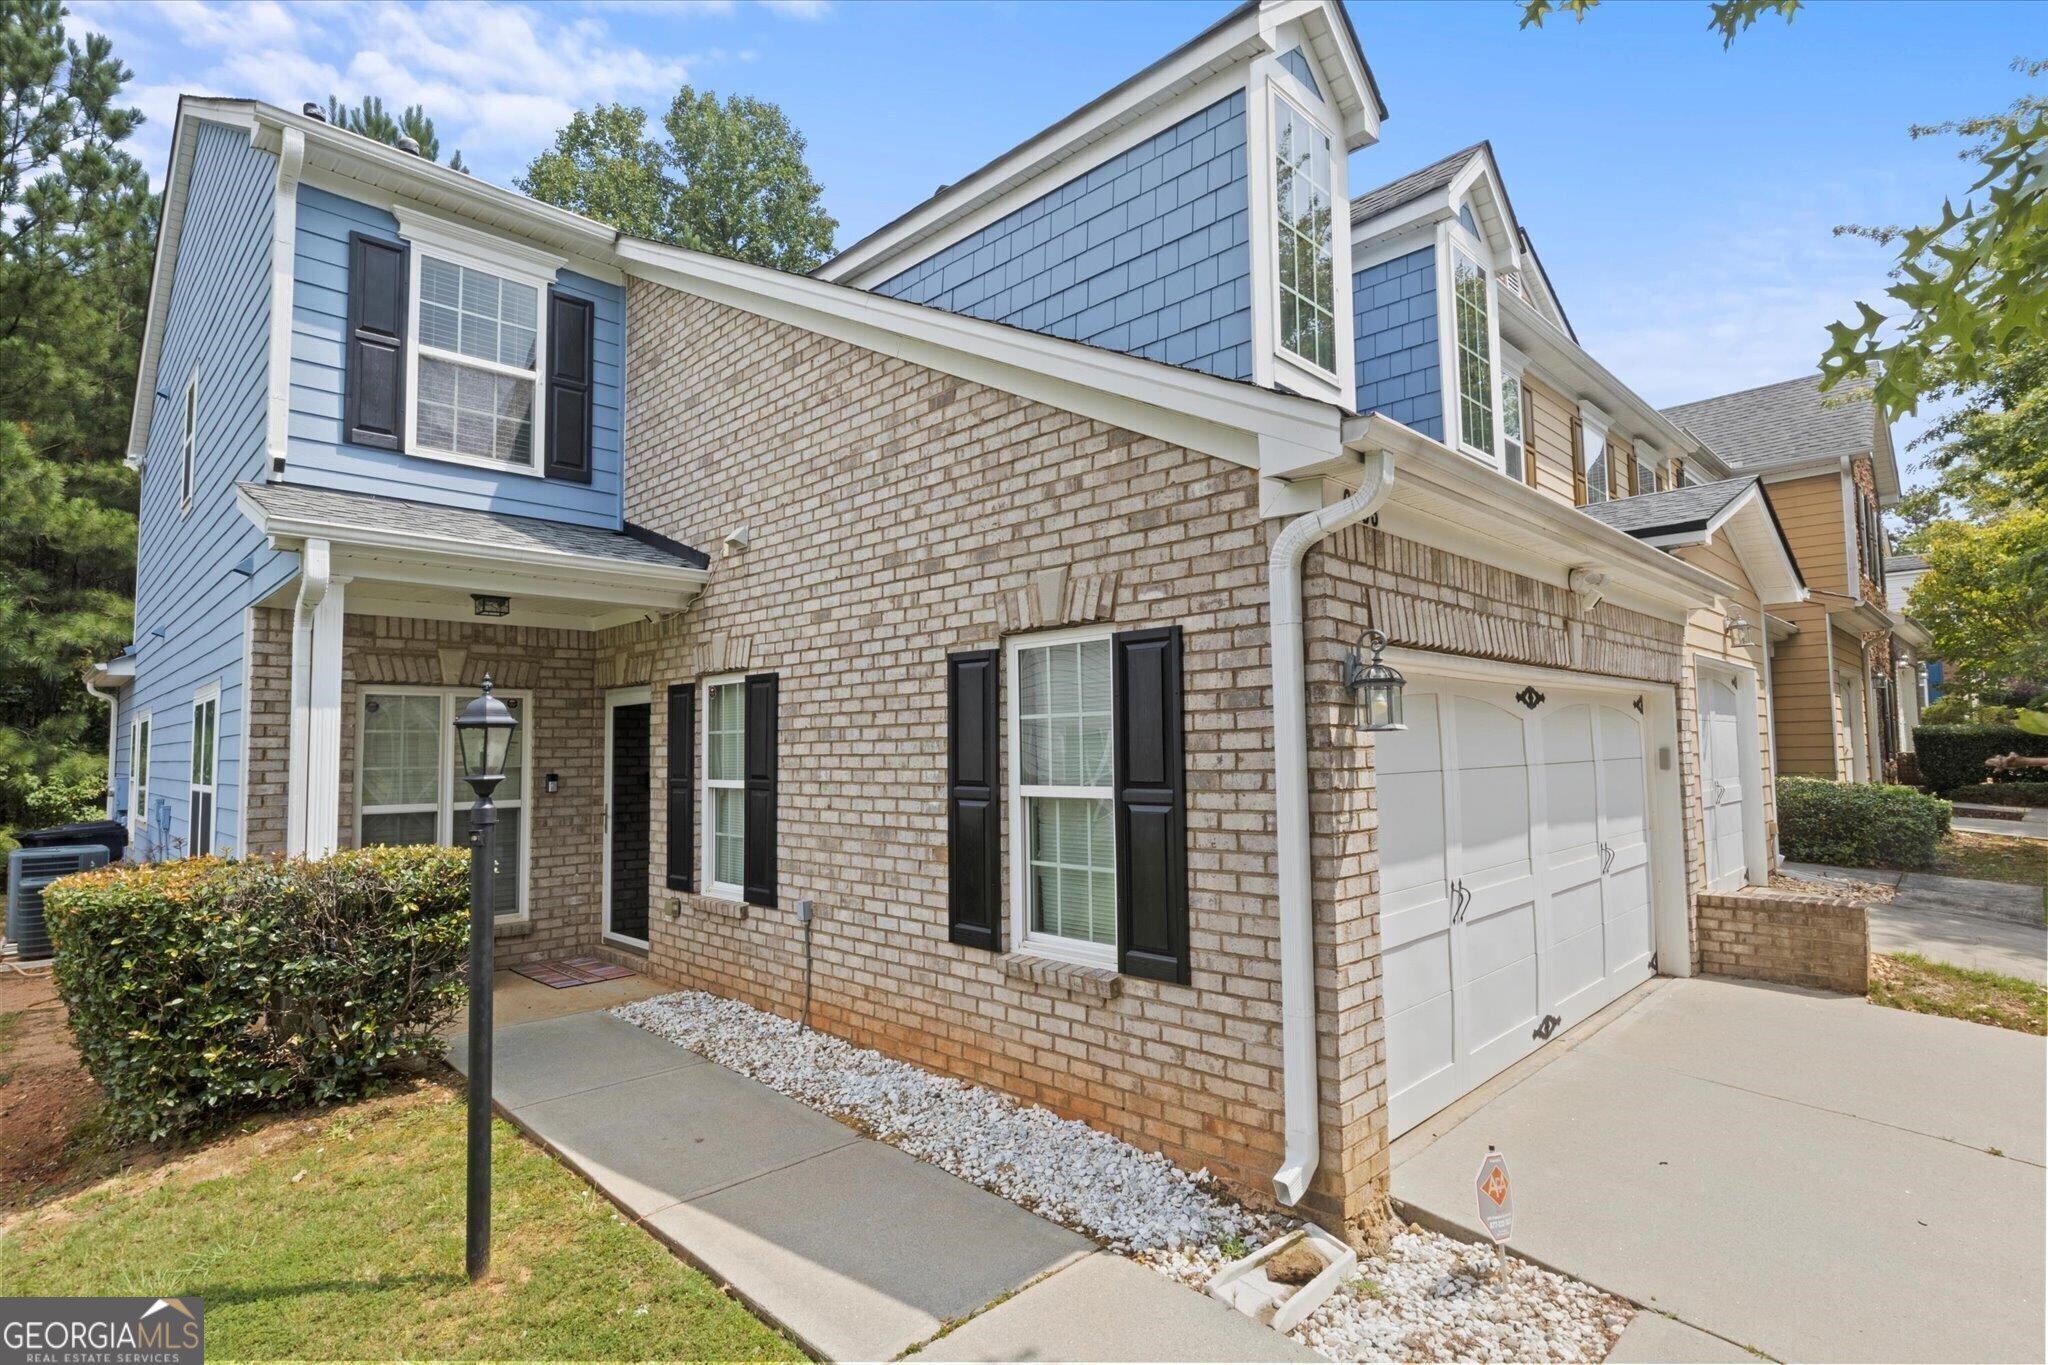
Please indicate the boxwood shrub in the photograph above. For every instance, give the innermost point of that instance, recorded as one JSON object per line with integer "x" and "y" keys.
{"x": 205, "y": 987}
{"x": 1853, "y": 824}
{"x": 1953, "y": 755}
{"x": 2033, "y": 793}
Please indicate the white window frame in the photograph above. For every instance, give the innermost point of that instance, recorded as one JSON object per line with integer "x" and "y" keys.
{"x": 141, "y": 733}
{"x": 1593, "y": 428}
{"x": 1650, "y": 463}
{"x": 188, "y": 441}
{"x": 1340, "y": 299}
{"x": 712, "y": 886}
{"x": 1023, "y": 938}
{"x": 207, "y": 694}
{"x": 450, "y": 786}
{"x": 1453, "y": 238}
{"x": 459, "y": 246}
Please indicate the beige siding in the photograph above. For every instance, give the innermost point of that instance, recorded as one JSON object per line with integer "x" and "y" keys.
{"x": 1550, "y": 429}
{"x": 1810, "y": 510}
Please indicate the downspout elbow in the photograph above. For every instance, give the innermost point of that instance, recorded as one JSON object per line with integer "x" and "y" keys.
{"x": 1303, "y": 1135}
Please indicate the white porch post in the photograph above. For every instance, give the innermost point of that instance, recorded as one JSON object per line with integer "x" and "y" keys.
{"x": 313, "y": 786}
{"x": 1906, "y": 683}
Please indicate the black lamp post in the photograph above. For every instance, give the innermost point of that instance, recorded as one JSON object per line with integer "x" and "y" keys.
{"x": 484, "y": 731}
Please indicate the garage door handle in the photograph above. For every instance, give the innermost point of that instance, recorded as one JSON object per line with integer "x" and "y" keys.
{"x": 1606, "y": 858}
{"x": 1460, "y": 898}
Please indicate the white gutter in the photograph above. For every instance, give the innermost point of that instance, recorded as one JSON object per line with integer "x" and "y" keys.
{"x": 1291, "y": 820}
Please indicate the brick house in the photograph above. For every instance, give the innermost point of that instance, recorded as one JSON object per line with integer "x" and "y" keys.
{"x": 991, "y": 590}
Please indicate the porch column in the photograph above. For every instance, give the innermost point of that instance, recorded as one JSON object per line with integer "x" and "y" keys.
{"x": 1906, "y": 681}
{"x": 313, "y": 791}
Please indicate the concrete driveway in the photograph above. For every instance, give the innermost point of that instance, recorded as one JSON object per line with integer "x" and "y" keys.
{"x": 1813, "y": 1177}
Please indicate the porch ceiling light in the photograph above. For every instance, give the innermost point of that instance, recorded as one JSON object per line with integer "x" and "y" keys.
{"x": 1375, "y": 687}
{"x": 484, "y": 730}
{"x": 490, "y": 604}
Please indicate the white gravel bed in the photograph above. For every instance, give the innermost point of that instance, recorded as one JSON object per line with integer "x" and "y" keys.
{"x": 1429, "y": 1298}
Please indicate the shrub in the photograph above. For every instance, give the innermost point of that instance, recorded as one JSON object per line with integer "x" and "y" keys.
{"x": 1852, "y": 824}
{"x": 2033, "y": 793}
{"x": 1953, "y": 755}
{"x": 205, "y": 987}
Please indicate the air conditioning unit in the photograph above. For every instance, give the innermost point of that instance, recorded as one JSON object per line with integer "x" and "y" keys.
{"x": 29, "y": 870}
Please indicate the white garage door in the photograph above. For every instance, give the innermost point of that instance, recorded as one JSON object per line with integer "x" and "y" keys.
{"x": 1514, "y": 879}
{"x": 1721, "y": 788}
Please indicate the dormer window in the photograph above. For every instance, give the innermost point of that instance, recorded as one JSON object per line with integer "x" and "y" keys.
{"x": 1470, "y": 314}
{"x": 1305, "y": 237}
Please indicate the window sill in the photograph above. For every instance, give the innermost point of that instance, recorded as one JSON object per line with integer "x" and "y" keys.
{"x": 512, "y": 928}
{"x": 705, "y": 902}
{"x": 1100, "y": 982}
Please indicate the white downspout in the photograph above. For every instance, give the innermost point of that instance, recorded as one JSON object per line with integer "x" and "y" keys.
{"x": 1291, "y": 820}
{"x": 113, "y": 702}
{"x": 313, "y": 577}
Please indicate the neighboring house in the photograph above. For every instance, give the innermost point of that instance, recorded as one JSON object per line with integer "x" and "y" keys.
{"x": 1828, "y": 462}
{"x": 1015, "y": 634}
{"x": 1918, "y": 676}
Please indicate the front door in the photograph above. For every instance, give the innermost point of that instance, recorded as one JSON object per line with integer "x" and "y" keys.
{"x": 628, "y": 718}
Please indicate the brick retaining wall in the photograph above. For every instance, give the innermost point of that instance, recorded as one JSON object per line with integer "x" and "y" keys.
{"x": 1791, "y": 940}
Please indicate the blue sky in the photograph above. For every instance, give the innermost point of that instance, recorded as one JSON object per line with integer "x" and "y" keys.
{"x": 1682, "y": 198}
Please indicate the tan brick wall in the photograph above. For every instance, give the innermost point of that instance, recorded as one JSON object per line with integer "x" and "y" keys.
{"x": 565, "y": 671}
{"x": 895, "y": 514}
{"x": 1790, "y": 940}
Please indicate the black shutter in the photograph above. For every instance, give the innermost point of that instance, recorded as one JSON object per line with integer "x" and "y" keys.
{"x": 572, "y": 360}
{"x": 759, "y": 852}
{"x": 973, "y": 819}
{"x": 682, "y": 794}
{"x": 373, "y": 389}
{"x": 1151, "y": 805}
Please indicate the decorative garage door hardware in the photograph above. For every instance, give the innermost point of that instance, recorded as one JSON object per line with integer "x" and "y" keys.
{"x": 1530, "y": 698}
{"x": 1639, "y": 705}
{"x": 1547, "y": 1027}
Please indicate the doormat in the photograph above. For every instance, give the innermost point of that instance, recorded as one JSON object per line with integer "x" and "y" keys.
{"x": 572, "y": 971}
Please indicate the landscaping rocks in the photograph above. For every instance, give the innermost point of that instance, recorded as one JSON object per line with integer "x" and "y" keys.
{"x": 1429, "y": 1297}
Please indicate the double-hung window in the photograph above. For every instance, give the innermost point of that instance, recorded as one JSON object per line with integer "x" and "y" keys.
{"x": 1062, "y": 714}
{"x": 1471, "y": 316}
{"x": 409, "y": 790}
{"x": 1305, "y": 237}
{"x": 1513, "y": 448}
{"x": 205, "y": 747}
{"x": 478, "y": 338}
{"x": 725, "y": 795}
{"x": 138, "y": 782}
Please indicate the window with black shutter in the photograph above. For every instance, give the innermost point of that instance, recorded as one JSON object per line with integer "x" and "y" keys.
{"x": 682, "y": 793}
{"x": 760, "y": 789}
{"x": 1151, "y": 805}
{"x": 973, "y": 821}
{"x": 373, "y": 384}
{"x": 572, "y": 361}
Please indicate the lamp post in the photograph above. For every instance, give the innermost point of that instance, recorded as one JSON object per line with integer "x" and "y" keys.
{"x": 484, "y": 734}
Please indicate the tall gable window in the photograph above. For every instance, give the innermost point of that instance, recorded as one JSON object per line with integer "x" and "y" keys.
{"x": 1475, "y": 353}
{"x": 1302, "y": 199}
{"x": 478, "y": 395}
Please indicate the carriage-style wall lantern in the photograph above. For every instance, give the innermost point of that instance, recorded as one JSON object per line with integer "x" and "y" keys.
{"x": 1375, "y": 687}
{"x": 1739, "y": 632}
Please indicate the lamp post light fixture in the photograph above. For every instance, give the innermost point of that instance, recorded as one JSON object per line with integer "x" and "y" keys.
{"x": 1375, "y": 687}
{"x": 483, "y": 733}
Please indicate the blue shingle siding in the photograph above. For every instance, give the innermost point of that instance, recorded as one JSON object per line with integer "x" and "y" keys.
{"x": 185, "y": 586}
{"x": 1147, "y": 253}
{"x": 1400, "y": 366}
{"x": 1297, "y": 64}
{"x": 319, "y": 455}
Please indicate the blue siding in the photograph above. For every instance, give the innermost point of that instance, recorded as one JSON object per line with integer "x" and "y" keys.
{"x": 319, "y": 455}
{"x": 1147, "y": 253}
{"x": 1400, "y": 367}
{"x": 1297, "y": 63}
{"x": 218, "y": 319}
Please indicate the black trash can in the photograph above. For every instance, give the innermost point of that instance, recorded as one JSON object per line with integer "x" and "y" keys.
{"x": 111, "y": 835}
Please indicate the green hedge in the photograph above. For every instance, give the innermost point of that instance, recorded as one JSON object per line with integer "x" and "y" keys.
{"x": 2033, "y": 793}
{"x": 205, "y": 987}
{"x": 1953, "y": 755}
{"x": 1853, "y": 824}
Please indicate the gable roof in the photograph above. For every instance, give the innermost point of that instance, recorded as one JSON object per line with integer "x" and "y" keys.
{"x": 1904, "y": 563}
{"x": 1412, "y": 186}
{"x": 1792, "y": 422}
{"x": 1695, "y": 514}
{"x": 1676, "y": 510}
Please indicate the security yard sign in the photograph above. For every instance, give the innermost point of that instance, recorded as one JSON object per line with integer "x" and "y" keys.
{"x": 1496, "y": 1197}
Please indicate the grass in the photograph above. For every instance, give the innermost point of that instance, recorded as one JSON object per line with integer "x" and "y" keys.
{"x": 1992, "y": 858}
{"x": 1908, "y": 981}
{"x": 340, "y": 1235}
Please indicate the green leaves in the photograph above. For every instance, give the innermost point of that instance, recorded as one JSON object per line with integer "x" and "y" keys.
{"x": 1855, "y": 824}
{"x": 1984, "y": 598}
{"x": 727, "y": 177}
{"x": 370, "y": 119}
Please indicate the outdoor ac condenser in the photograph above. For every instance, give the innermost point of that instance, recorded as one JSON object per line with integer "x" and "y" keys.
{"x": 29, "y": 870}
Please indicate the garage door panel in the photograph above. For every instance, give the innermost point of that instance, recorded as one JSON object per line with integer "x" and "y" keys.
{"x": 1417, "y": 972}
{"x": 1571, "y": 804}
{"x": 1488, "y": 736}
{"x": 1622, "y": 814}
{"x": 1493, "y": 825}
{"x": 1412, "y": 850}
{"x": 1499, "y": 1012}
{"x": 1419, "y": 748}
{"x": 1493, "y": 942}
{"x": 1419, "y": 1045}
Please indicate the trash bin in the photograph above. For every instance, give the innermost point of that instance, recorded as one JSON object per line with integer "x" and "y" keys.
{"x": 111, "y": 835}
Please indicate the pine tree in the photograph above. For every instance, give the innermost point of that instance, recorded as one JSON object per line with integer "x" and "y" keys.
{"x": 372, "y": 121}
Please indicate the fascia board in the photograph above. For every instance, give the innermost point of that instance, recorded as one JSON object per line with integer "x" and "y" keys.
{"x": 1221, "y": 417}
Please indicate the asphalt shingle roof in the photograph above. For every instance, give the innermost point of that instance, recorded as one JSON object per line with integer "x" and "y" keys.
{"x": 1903, "y": 563}
{"x": 1413, "y": 185}
{"x": 1782, "y": 422}
{"x": 1667, "y": 513}
{"x": 371, "y": 512}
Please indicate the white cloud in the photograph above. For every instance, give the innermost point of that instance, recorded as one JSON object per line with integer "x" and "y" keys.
{"x": 798, "y": 9}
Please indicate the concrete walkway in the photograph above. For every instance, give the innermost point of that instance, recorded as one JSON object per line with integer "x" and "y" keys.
{"x": 2032, "y": 824}
{"x": 1811, "y": 1176}
{"x": 855, "y": 1249}
{"x": 1990, "y": 926}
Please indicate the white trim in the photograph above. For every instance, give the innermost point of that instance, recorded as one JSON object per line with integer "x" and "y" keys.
{"x": 1749, "y": 754}
{"x": 490, "y": 251}
{"x": 248, "y": 713}
{"x": 188, "y": 441}
{"x": 707, "y": 784}
{"x": 1023, "y": 939}
{"x": 1341, "y": 320}
{"x": 205, "y": 695}
{"x": 138, "y": 791}
{"x": 448, "y": 779}
{"x": 616, "y": 697}
{"x": 284, "y": 232}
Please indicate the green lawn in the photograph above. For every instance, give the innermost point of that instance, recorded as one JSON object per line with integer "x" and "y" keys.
{"x": 1908, "y": 981}
{"x": 340, "y": 1236}
{"x": 1992, "y": 858}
